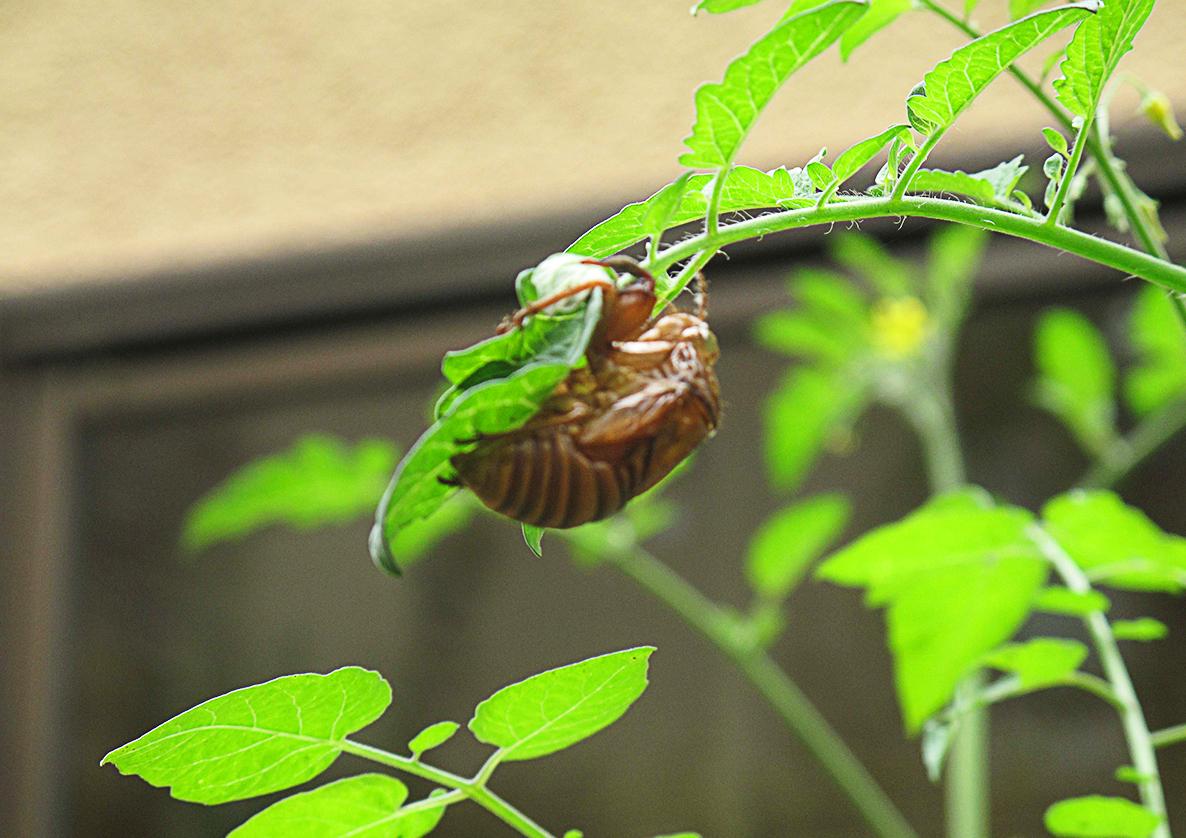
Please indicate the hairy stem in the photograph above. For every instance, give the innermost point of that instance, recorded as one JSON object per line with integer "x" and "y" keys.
{"x": 1092, "y": 248}
{"x": 796, "y": 710}
{"x": 1136, "y": 446}
{"x": 474, "y": 789}
{"x": 1097, "y": 144}
{"x": 1136, "y": 731}
{"x": 915, "y": 164}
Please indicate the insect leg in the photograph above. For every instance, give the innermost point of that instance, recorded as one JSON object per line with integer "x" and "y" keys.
{"x": 536, "y": 307}
{"x": 628, "y": 265}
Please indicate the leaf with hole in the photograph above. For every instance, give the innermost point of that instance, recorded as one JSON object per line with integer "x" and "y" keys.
{"x": 948, "y": 89}
{"x": 366, "y": 805}
{"x": 258, "y": 739}
{"x": 558, "y": 708}
{"x": 726, "y": 111}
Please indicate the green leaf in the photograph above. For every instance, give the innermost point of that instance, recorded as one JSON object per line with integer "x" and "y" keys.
{"x": 958, "y": 578}
{"x": 258, "y": 739}
{"x": 1144, "y": 629}
{"x": 574, "y": 833}
{"x": 954, "y": 84}
{"x": 493, "y": 407}
{"x": 865, "y": 256}
{"x": 745, "y": 188}
{"x": 853, "y": 159}
{"x": 319, "y": 481}
{"x": 661, "y": 210}
{"x": 366, "y": 805}
{"x": 820, "y": 175}
{"x": 1056, "y": 141}
{"x": 558, "y": 708}
{"x": 431, "y": 737}
{"x": 1117, "y": 545}
{"x": 831, "y": 298}
{"x": 1060, "y": 600}
{"x": 1158, "y": 377}
{"x": 1041, "y": 662}
{"x": 880, "y": 15}
{"x": 991, "y": 186}
{"x": 1094, "y": 52}
{"x": 726, "y": 111}
{"x": 803, "y": 334}
{"x": 795, "y": 536}
{"x": 1021, "y": 8}
{"x": 1128, "y": 774}
{"x": 1076, "y": 378}
{"x": 680, "y": 835}
{"x": 533, "y": 536}
{"x": 802, "y": 414}
{"x": 1100, "y": 817}
{"x": 954, "y": 258}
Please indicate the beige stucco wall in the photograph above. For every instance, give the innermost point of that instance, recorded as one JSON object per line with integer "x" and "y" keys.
{"x": 139, "y": 134}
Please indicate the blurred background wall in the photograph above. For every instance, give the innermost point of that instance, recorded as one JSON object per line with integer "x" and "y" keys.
{"x": 226, "y": 227}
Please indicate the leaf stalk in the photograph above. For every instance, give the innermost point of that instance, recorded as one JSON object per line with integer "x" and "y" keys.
{"x": 1136, "y": 731}
{"x": 474, "y": 789}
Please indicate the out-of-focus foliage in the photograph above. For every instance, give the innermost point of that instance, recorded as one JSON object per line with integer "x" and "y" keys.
{"x": 783, "y": 548}
{"x": 1158, "y": 374}
{"x": 1076, "y": 378}
{"x": 319, "y": 481}
{"x": 1097, "y": 816}
{"x": 958, "y": 578}
{"x": 860, "y": 342}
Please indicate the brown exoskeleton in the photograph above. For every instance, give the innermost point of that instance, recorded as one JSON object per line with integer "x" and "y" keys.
{"x": 615, "y": 427}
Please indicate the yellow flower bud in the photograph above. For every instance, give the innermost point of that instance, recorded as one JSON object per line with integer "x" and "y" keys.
{"x": 900, "y": 326}
{"x": 1157, "y": 108}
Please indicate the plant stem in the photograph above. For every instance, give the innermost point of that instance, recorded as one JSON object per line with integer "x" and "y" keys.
{"x": 795, "y": 708}
{"x": 915, "y": 164}
{"x": 1168, "y": 736}
{"x": 1097, "y": 144}
{"x": 1137, "y": 446}
{"x": 967, "y": 783}
{"x": 1064, "y": 185}
{"x": 474, "y": 789}
{"x": 1136, "y": 731}
{"x": 1092, "y": 248}
{"x": 712, "y": 214}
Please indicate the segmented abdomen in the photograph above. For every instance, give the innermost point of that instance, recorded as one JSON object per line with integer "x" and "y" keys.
{"x": 542, "y": 478}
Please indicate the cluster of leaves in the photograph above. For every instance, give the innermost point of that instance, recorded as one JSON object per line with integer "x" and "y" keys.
{"x": 860, "y": 346}
{"x": 285, "y": 732}
{"x": 1078, "y": 378}
{"x": 959, "y": 577}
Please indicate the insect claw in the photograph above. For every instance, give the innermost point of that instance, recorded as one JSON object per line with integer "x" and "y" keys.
{"x": 449, "y": 481}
